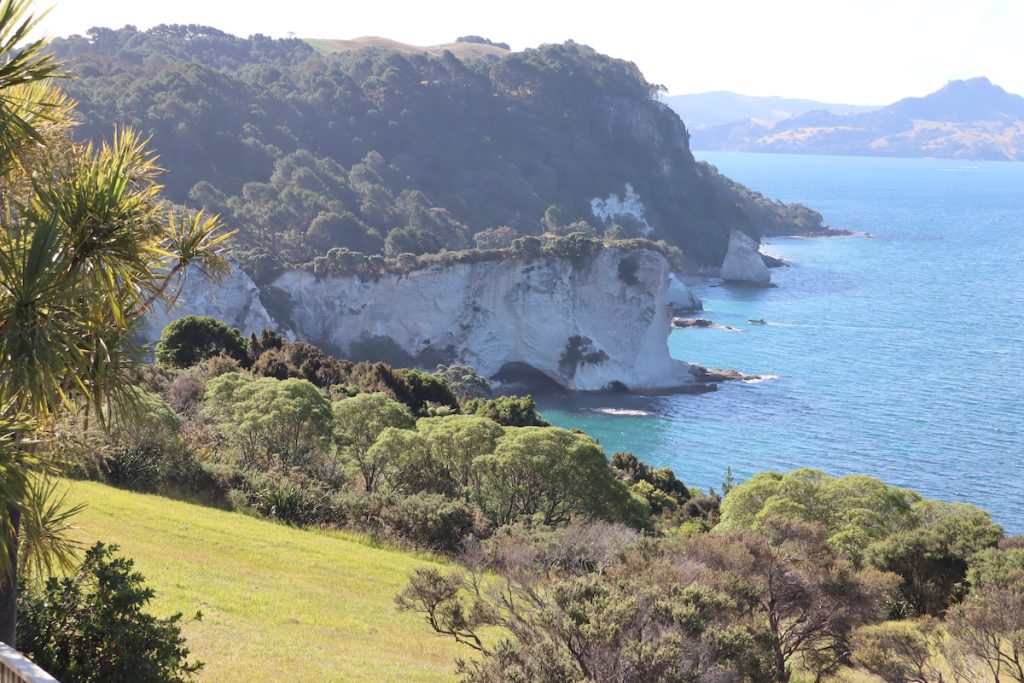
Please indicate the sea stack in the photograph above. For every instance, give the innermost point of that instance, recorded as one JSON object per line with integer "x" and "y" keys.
{"x": 743, "y": 261}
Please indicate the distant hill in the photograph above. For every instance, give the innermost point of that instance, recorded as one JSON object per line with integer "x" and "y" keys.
{"x": 462, "y": 49}
{"x": 388, "y": 149}
{"x": 702, "y": 110}
{"x": 969, "y": 119}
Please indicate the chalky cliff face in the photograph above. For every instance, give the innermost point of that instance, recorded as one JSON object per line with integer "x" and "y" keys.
{"x": 589, "y": 325}
{"x": 236, "y": 301}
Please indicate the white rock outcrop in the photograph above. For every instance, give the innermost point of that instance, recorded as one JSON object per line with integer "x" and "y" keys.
{"x": 743, "y": 262}
{"x": 236, "y": 301}
{"x": 611, "y": 207}
{"x": 681, "y": 298}
{"x": 584, "y": 326}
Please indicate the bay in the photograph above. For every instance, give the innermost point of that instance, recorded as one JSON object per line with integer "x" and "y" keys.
{"x": 900, "y": 357}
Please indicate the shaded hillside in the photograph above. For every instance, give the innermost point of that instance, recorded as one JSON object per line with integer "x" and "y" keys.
{"x": 971, "y": 119}
{"x": 702, "y": 110}
{"x": 382, "y": 151}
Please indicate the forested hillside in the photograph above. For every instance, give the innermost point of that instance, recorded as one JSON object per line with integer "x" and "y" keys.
{"x": 387, "y": 153}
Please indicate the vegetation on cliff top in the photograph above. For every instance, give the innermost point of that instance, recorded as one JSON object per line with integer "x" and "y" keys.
{"x": 386, "y": 153}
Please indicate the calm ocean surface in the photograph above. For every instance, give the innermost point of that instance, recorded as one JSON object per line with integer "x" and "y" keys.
{"x": 900, "y": 357}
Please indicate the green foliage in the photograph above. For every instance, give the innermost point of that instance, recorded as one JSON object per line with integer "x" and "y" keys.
{"x": 898, "y": 651}
{"x": 291, "y": 498}
{"x": 431, "y": 521}
{"x": 84, "y": 254}
{"x": 404, "y": 464}
{"x": 932, "y": 558}
{"x": 456, "y": 441}
{"x": 92, "y": 626}
{"x": 549, "y": 475}
{"x": 986, "y": 632}
{"x": 927, "y": 543}
{"x": 659, "y": 487}
{"x": 358, "y": 421}
{"x": 803, "y": 598}
{"x": 147, "y": 420}
{"x": 510, "y": 411}
{"x": 996, "y": 567}
{"x": 495, "y": 238}
{"x": 192, "y": 339}
{"x": 856, "y": 510}
{"x": 306, "y": 152}
{"x": 426, "y": 389}
{"x": 269, "y": 420}
{"x": 464, "y": 381}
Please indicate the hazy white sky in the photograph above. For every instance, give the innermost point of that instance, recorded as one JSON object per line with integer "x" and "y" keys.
{"x": 856, "y": 51}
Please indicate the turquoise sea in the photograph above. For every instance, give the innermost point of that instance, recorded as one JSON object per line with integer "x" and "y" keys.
{"x": 901, "y": 356}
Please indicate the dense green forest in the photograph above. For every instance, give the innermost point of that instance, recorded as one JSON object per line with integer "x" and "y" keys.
{"x": 389, "y": 153}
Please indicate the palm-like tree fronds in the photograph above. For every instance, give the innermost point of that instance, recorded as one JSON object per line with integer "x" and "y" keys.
{"x": 45, "y": 546}
{"x": 22, "y": 64}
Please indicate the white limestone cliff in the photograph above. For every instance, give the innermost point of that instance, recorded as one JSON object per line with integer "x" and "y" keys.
{"x": 585, "y": 326}
{"x": 681, "y": 298}
{"x": 236, "y": 301}
{"x": 743, "y": 262}
{"x": 492, "y": 314}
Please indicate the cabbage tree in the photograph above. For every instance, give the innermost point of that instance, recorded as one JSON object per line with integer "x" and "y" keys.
{"x": 87, "y": 247}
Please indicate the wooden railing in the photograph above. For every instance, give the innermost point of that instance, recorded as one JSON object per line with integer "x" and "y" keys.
{"x": 15, "y": 668}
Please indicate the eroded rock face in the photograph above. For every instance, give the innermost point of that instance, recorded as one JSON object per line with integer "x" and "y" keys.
{"x": 681, "y": 298}
{"x": 235, "y": 301}
{"x": 613, "y": 207}
{"x": 582, "y": 325}
{"x": 743, "y": 261}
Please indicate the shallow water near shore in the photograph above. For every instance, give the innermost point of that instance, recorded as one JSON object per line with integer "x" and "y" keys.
{"x": 901, "y": 357}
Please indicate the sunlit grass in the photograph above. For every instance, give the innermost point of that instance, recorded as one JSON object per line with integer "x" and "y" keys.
{"x": 278, "y": 603}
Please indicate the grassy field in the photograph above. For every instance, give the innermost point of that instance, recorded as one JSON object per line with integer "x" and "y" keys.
{"x": 278, "y": 604}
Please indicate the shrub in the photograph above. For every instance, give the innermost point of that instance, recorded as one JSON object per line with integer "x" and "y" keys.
{"x": 660, "y": 487}
{"x": 510, "y": 411}
{"x": 91, "y": 626}
{"x": 185, "y": 392}
{"x": 495, "y": 238}
{"x": 426, "y": 388}
{"x": 549, "y": 476}
{"x": 427, "y": 520}
{"x": 287, "y": 497}
{"x": 268, "y": 419}
{"x": 464, "y": 381}
{"x": 134, "y": 467}
{"x": 191, "y": 339}
{"x": 431, "y": 520}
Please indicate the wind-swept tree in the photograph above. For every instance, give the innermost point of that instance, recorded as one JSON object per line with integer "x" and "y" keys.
{"x": 87, "y": 246}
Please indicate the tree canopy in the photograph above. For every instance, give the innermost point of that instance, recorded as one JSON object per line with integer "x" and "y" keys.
{"x": 382, "y": 152}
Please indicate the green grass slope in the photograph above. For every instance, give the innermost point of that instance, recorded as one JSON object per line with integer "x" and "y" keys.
{"x": 278, "y": 603}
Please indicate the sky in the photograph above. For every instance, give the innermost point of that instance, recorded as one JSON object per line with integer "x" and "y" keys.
{"x": 847, "y": 51}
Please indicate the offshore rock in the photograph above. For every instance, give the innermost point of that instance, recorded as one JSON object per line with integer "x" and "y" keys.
{"x": 743, "y": 261}
{"x": 681, "y": 298}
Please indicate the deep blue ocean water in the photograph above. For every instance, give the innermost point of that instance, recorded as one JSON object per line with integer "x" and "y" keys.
{"x": 901, "y": 357}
